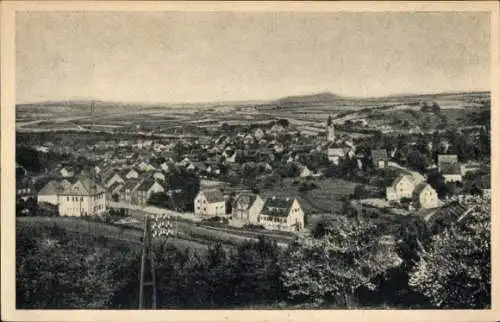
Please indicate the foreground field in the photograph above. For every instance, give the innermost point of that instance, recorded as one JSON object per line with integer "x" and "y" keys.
{"x": 130, "y": 235}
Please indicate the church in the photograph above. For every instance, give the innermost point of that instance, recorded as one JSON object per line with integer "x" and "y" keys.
{"x": 337, "y": 148}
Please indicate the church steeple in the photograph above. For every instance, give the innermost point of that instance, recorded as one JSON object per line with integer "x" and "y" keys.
{"x": 330, "y": 130}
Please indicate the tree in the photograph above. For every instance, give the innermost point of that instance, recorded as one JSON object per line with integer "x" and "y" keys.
{"x": 159, "y": 199}
{"x": 437, "y": 181}
{"x": 454, "y": 272}
{"x": 417, "y": 161}
{"x": 189, "y": 185}
{"x": 28, "y": 158}
{"x": 283, "y": 122}
{"x": 332, "y": 268}
{"x": 256, "y": 273}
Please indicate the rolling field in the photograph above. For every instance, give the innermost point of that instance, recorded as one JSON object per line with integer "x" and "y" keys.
{"x": 131, "y": 235}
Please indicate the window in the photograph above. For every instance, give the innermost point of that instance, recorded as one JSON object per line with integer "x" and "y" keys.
{"x": 81, "y": 198}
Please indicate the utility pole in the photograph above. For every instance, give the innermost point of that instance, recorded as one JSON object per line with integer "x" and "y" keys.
{"x": 147, "y": 253}
{"x": 162, "y": 227}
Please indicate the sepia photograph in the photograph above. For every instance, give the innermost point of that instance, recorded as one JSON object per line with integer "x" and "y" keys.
{"x": 251, "y": 160}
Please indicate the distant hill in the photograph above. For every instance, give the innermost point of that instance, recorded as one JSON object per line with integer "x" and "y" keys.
{"x": 325, "y": 97}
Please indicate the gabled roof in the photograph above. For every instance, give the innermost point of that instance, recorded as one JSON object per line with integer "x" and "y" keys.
{"x": 400, "y": 177}
{"x": 131, "y": 184}
{"x": 245, "y": 200}
{"x": 213, "y": 195}
{"x": 116, "y": 186}
{"x": 54, "y": 187}
{"x": 337, "y": 145}
{"x": 420, "y": 187}
{"x": 146, "y": 184}
{"x": 278, "y": 207}
{"x": 124, "y": 172}
{"x": 111, "y": 175}
{"x": 90, "y": 187}
{"x": 379, "y": 155}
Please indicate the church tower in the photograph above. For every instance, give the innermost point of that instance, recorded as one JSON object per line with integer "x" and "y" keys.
{"x": 330, "y": 130}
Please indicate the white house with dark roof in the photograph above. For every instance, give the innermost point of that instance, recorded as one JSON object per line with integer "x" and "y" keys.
{"x": 247, "y": 206}
{"x": 129, "y": 174}
{"x": 82, "y": 197}
{"x": 379, "y": 158}
{"x": 337, "y": 151}
{"x": 210, "y": 203}
{"x": 305, "y": 172}
{"x": 283, "y": 214}
{"x": 402, "y": 187}
{"x": 66, "y": 172}
{"x": 143, "y": 191}
{"x": 446, "y": 160}
{"x": 424, "y": 196}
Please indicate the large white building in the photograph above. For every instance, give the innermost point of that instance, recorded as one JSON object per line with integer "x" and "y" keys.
{"x": 283, "y": 214}
{"x": 210, "y": 203}
{"x": 82, "y": 197}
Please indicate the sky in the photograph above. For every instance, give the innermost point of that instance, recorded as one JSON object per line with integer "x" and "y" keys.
{"x": 226, "y": 56}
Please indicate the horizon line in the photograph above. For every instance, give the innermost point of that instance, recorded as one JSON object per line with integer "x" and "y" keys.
{"x": 233, "y": 101}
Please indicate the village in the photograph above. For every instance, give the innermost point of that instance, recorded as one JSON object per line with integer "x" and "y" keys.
{"x": 240, "y": 177}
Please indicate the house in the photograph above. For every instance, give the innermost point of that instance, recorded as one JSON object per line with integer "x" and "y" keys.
{"x": 248, "y": 206}
{"x": 258, "y": 134}
{"x": 82, "y": 197}
{"x": 469, "y": 167}
{"x": 66, "y": 172}
{"x": 145, "y": 189}
{"x": 379, "y": 158}
{"x": 402, "y": 187}
{"x": 451, "y": 172}
{"x": 158, "y": 175}
{"x": 305, "y": 172}
{"x": 113, "y": 178}
{"x": 129, "y": 188}
{"x": 191, "y": 167}
{"x": 129, "y": 174}
{"x": 483, "y": 183}
{"x": 230, "y": 156}
{"x": 337, "y": 151}
{"x": 167, "y": 166}
{"x": 115, "y": 192}
{"x": 185, "y": 162}
{"x": 446, "y": 159}
{"x": 248, "y": 139}
{"x": 283, "y": 214}
{"x": 210, "y": 203}
{"x": 424, "y": 196}
{"x": 276, "y": 129}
